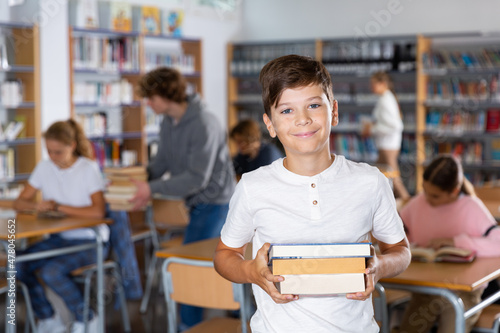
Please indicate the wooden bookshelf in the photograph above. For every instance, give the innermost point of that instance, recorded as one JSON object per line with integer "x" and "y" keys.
{"x": 133, "y": 132}
{"x": 22, "y": 41}
{"x": 457, "y": 86}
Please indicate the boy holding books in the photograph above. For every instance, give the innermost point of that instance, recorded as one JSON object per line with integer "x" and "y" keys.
{"x": 310, "y": 196}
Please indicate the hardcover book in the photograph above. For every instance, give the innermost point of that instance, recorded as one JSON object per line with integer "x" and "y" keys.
{"x": 150, "y": 20}
{"x": 320, "y": 250}
{"x": 172, "y": 22}
{"x": 321, "y": 284}
{"x": 121, "y": 16}
{"x": 318, "y": 266}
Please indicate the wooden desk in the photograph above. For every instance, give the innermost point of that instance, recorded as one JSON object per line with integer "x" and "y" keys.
{"x": 444, "y": 278}
{"x": 493, "y": 207}
{"x": 32, "y": 226}
{"x": 201, "y": 250}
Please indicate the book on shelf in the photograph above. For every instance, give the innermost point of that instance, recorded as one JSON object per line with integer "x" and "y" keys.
{"x": 121, "y": 16}
{"x": 444, "y": 254}
{"x": 11, "y": 93}
{"x": 84, "y": 13}
{"x": 319, "y": 250}
{"x": 150, "y": 20}
{"x": 318, "y": 266}
{"x": 493, "y": 120}
{"x": 321, "y": 284}
{"x": 172, "y": 22}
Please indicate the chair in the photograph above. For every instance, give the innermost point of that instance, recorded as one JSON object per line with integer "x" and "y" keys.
{"x": 29, "y": 310}
{"x": 384, "y": 303}
{"x": 195, "y": 282}
{"x": 84, "y": 275}
{"x": 489, "y": 320}
{"x": 167, "y": 217}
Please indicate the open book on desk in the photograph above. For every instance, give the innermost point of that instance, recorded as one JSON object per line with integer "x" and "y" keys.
{"x": 444, "y": 254}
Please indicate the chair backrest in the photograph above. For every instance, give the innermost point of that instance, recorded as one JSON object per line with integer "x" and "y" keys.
{"x": 195, "y": 282}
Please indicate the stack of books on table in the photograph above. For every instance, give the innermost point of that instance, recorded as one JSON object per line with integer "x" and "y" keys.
{"x": 320, "y": 269}
{"x": 120, "y": 187}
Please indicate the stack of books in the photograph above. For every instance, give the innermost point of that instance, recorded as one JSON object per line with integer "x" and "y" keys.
{"x": 320, "y": 269}
{"x": 121, "y": 188}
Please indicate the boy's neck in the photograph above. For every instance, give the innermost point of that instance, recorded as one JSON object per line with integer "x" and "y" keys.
{"x": 308, "y": 165}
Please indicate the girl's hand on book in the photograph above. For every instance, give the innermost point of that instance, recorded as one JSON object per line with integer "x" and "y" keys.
{"x": 44, "y": 206}
{"x": 437, "y": 243}
{"x": 265, "y": 279}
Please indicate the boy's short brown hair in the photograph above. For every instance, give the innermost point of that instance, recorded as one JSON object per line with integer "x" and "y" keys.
{"x": 292, "y": 71}
{"x": 165, "y": 82}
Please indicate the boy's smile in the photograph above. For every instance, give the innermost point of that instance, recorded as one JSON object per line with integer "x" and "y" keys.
{"x": 302, "y": 120}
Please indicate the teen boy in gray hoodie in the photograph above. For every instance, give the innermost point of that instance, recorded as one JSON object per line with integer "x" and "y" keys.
{"x": 193, "y": 148}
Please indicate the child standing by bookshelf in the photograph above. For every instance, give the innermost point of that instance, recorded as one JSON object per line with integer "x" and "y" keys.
{"x": 70, "y": 183}
{"x": 447, "y": 214}
{"x": 387, "y": 128}
{"x": 310, "y": 196}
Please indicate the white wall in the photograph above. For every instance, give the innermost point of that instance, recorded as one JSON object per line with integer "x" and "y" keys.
{"x": 301, "y": 19}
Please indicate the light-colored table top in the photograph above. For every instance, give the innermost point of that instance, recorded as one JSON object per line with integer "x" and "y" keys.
{"x": 493, "y": 207}
{"x": 201, "y": 250}
{"x": 452, "y": 276}
{"x": 31, "y": 226}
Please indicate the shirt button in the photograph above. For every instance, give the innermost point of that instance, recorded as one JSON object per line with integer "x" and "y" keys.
{"x": 313, "y": 185}
{"x": 315, "y": 202}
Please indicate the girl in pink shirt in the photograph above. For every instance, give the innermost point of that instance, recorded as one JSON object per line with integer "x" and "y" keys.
{"x": 447, "y": 213}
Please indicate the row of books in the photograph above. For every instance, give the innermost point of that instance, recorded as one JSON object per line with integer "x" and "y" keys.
{"x": 361, "y": 92}
{"x": 10, "y": 191}
{"x": 351, "y": 121}
{"x": 319, "y": 269}
{"x": 103, "y": 93}
{"x": 459, "y": 121}
{"x": 470, "y": 152}
{"x": 483, "y": 89}
{"x": 93, "y": 124}
{"x": 105, "y": 53}
{"x": 477, "y": 58}
{"x": 110, "y": 153}
{"x": 483, "y": 178}
{"x": 7, "y": 165}
{"x": 369, "y": 49}
{"x": 185, "y": 63}
{"x": 249, "y": 60}
{"x": 354, "y": 147}
{"x": 361, "y": 68}
{"x": 11, "y": 93}
{"x": 122, "y": 16}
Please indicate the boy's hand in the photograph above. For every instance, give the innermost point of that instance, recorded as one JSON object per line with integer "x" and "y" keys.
{"x": 370, "y": 279}
{"x": 263, "y": 277}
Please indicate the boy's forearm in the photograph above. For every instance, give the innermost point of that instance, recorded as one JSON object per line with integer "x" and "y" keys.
{"x": 393, "y": 261}
{"x": 232, "y": 266}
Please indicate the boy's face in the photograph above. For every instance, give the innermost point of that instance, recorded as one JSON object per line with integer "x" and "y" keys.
{"x": 302, "y": 120}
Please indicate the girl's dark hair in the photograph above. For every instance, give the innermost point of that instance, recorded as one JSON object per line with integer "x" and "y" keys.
{"x": 445, "y": 172}
{"x": 249, "y": 129}
{"x": 292, "y": 71}
{"x": 165, "y": 82}
{"x": 67, "y": 132}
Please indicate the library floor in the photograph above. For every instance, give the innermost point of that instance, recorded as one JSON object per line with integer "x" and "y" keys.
{"x": 153, "y": 321}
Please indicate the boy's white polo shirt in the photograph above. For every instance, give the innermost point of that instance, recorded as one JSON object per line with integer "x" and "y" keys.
{"x": 344, "y": 203}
